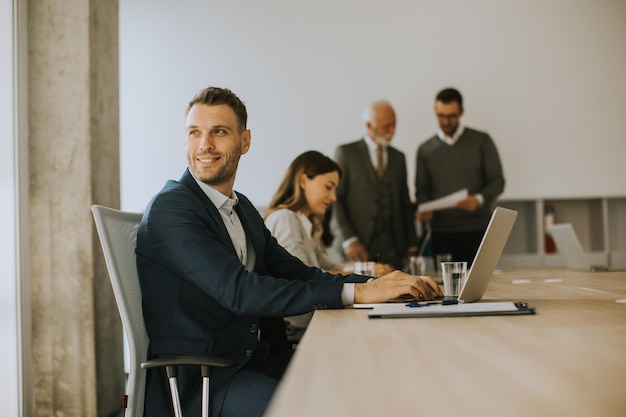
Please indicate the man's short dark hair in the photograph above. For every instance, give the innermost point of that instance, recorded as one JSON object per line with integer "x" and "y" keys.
{"x": 213, "y": 96}
{"x": 448, "y": 95}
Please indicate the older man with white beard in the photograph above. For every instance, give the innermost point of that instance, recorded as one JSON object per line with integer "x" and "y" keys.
{"x": 372, "y": 216}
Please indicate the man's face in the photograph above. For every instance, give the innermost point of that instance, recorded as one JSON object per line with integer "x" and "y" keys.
{"x": 382, "y": 126}
{"x": 214, "y": 145}
{"x": 448, "y": 115}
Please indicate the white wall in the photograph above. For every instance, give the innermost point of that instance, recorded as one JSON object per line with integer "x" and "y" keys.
{"x": 545, "y": 78}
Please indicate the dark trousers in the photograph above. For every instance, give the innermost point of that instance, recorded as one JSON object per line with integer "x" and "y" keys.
{"x": 462, "y": 246}
{"x": 252, "y": 388}
{"x": 246, "y": 395}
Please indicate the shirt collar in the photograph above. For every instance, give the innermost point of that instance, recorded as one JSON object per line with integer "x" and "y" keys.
{"x": 451, "y": 140}
{"x": 371, "y": 145}
{"x": 306, "y": 222}
{"x": 219, "y": 200}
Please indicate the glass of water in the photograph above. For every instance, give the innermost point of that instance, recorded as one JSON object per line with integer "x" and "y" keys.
{"x": 453, "y": 274}
{"x": 365, "y": 268}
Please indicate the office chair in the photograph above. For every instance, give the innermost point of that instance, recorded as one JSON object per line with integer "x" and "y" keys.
{"x": 117, "y": 231}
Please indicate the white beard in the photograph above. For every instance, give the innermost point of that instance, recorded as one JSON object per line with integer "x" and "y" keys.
{"x": 384, "y": 140}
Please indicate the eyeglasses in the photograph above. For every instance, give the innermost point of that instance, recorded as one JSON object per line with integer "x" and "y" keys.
{"x": 447, "y": 116}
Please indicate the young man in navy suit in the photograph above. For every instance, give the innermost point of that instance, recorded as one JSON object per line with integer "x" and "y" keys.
{"x": 216, "y": 283}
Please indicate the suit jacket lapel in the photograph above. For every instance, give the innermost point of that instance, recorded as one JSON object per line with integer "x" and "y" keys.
{"x": 363, "y": 153}
{"x": 393, "y": 159}
{"x": 189, "y": 181}
{"x": 247, "y": 213}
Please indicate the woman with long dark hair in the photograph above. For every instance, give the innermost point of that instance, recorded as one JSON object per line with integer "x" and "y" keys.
{"x": 298, "y": 218}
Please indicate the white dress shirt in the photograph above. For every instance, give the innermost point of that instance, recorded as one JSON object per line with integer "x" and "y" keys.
{"x": 243, "y": 246}
{"x": 226, "y": 208}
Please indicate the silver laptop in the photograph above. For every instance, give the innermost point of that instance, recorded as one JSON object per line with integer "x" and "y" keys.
{"x": 478, "y": 277}
{"x": 485, "y": 260}
{"x": 488, "y": 254}
{"x": 569, "y": 247}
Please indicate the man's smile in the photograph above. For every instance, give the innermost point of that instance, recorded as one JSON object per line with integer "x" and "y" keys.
{"x": 207, "y": 159}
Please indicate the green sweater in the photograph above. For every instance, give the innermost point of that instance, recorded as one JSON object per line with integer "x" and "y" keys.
{"x": 472, "y": 163}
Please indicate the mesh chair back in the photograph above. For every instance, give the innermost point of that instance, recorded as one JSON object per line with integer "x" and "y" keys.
{"x": 118, "y": 236}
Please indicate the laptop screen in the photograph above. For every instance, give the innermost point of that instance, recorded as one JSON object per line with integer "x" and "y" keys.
{"x": 488, "y": 254}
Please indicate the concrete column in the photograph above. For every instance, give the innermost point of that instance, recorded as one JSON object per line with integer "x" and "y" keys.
{"x": 73, "y": 111}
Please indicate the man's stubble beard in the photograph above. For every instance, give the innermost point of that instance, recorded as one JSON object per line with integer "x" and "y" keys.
{"x": 225, "y": 173}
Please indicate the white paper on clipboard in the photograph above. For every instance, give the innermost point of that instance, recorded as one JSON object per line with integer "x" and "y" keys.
{"x": 496, "y": 308}
{"x": 448, "y": 201}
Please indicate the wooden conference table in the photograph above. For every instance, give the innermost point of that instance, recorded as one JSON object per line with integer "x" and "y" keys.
{"x": 569, "y": 359}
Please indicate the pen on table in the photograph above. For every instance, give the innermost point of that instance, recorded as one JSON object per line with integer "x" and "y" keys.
{"x": 429, "y": 303}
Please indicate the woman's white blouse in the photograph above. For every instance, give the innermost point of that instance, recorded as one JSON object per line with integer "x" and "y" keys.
{"x": 292, "y": 230}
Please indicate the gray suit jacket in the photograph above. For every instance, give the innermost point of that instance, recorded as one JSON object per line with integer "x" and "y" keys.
{"x": 354, "y": 210}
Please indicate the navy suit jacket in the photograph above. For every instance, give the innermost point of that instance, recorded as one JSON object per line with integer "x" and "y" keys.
{"x": 198, "y": 298}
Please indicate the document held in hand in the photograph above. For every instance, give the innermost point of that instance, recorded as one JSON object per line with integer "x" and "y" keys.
{"x": 446, "y": 202}
{"x": 455, "y": 310}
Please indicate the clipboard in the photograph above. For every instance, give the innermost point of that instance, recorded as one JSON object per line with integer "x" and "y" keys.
{"x": 505, "y": 308}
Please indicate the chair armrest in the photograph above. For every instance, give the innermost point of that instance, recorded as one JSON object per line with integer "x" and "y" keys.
{"x": 171, "y": 363}
{"x": 187, "y": 360}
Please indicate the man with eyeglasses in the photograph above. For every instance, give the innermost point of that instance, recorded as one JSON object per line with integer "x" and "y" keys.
{"x": 457, "y": 157}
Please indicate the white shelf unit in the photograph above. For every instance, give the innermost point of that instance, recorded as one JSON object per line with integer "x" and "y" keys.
{"x": 599, "y": 222}
{"x": 616, "y": 215}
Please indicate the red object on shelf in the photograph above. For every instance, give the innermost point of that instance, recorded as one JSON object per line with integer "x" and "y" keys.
{"x": 549, "y": 219}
